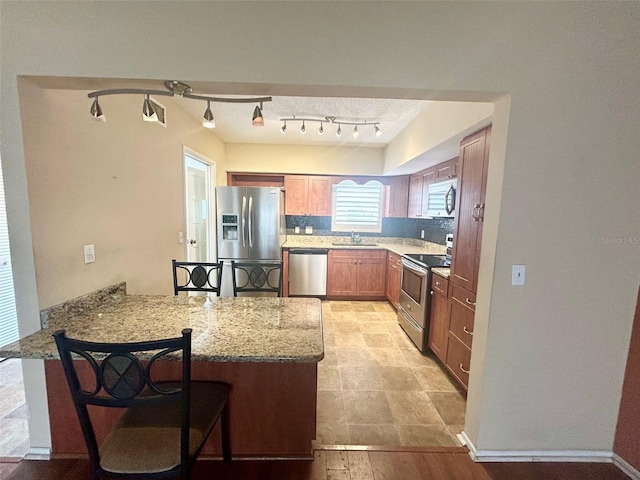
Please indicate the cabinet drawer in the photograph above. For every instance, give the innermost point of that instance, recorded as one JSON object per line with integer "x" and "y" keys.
{"x": 439, "y": 284}
{"x": 462, "y": 296}
{"x": 361, "y": 254}
{"x": 461, "y": 323}
{"x": 458, "y": 360}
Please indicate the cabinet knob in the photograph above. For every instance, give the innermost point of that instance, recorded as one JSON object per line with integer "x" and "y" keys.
{"x": 466, "y": 331}
{"x": 462, "y": 368}
{"x": 431, "y": 292}
{"x": 469, "y": 302}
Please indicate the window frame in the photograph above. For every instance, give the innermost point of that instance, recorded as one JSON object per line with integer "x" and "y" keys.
{"x": 337, "y": 226}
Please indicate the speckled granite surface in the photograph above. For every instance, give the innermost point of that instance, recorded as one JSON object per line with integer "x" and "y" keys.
{"x": 443, "y": 272}
{"x": 243, "y": 329}
{"x": 399, "y": 246}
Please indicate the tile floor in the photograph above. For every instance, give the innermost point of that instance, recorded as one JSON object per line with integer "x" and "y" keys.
{"x": 14, "y": 440}
{"x": 374, "y": 386}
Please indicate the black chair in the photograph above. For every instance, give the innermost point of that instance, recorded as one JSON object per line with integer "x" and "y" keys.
{"x": 164, "y": 425}
{"x": 198, "y": 277}
{"x": 256, "y": 277}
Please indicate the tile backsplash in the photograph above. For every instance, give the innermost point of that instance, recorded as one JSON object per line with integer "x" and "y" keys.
{"x": 435, "y": 229}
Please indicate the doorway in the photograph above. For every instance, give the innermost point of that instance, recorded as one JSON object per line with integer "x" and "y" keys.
{"x": 200, "y": 227}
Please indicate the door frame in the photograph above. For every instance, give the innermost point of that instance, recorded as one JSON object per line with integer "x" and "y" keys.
{"x": 212, "y": 253}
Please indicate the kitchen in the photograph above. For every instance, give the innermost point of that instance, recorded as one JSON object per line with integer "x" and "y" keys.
{"x": 550, "y": 123}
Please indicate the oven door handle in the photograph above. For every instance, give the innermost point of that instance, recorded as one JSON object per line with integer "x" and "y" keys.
{"x": 414, "y": 268}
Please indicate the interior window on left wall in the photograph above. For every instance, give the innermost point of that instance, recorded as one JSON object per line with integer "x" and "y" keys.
{"x": 357, "y": 208}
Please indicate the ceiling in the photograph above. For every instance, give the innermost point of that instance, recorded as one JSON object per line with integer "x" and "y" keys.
{"x": 233, "y": 120}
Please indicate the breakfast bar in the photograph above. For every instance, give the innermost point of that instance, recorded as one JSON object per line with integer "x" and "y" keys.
{"x": 267, "y": 348}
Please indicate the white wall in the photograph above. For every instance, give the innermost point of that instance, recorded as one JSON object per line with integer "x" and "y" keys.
{"x": 553, "y": 351}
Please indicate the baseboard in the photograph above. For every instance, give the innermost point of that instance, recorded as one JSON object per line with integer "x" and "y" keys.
{"x": 38, "y": 453}
{"x": 596, "y": 456}
{"x": 626, "y": 467}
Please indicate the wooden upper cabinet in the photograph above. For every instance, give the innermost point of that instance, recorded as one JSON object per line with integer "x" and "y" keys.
{"x": 415, "y": 196}
{"x": 320, "y": 195}
{"x": 307, "y": 195}
{"x": 446, "y": 170}
{"x": 474, "y": 156}
{"x": 397, "y": 197}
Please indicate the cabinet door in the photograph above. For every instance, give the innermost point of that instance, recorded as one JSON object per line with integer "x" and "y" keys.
{"x": 342, "y": 274}
{"x": 319, "y": 199}
{"x": 296, "y": 192}
{"x": 439, "y": 325}
{"x": 393, "y": 279}
{"x": 444, "y": 170}
{"x": 461, "y": 323}
{"x": 371, "y": 274}
{"x": 415, "y": 195}
{"x": 398, "y": 196}
{"x": 469, "y": 200}
{"x": 458, "y": 360}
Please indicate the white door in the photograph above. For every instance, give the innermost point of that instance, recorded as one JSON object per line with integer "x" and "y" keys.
{"x": 199, "y": 175}
{"x": 8, "y": 318}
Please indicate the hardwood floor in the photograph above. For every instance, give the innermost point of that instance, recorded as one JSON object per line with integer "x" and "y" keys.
{"x": 347, "y": 464}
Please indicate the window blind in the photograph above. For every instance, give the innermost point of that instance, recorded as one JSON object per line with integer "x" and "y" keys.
{"x": 356, "y": 207}
{"x": 8, "y": 318}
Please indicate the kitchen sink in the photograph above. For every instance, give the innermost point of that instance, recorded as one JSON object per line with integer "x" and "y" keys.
{"x": 354, "y": 244}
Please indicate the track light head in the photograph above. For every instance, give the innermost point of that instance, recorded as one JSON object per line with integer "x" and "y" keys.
{"x": 339, "y": 131}
{"x": 355, "y": 132}
{"x": 283, "y": 128}
{"x": 148, "y": 113}
{"x": 303, "y": 129}
{"x": 258, "y": 119}
{"x": 96, "y": 111}
{"x": 321, "y": 129}
{"x": 377, "y": 131}
{"x": 209, "y": 121}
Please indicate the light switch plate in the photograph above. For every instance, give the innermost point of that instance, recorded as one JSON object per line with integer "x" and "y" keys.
{"x": 89, "y": 254}
{"x": 517, "y": 275}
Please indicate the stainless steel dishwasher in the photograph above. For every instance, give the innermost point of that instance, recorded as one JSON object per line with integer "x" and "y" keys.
{"x": 308, "y": 272}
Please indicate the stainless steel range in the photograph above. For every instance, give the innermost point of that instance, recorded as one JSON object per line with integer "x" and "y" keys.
{"x": 415, "y": 297}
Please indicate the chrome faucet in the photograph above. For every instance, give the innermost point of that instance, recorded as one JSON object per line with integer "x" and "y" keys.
{"x": 355, "y": 238}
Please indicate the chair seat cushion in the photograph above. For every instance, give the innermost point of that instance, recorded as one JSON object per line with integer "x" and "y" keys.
{"x": 147, "y": 439}
{"x": 145, "y": 449}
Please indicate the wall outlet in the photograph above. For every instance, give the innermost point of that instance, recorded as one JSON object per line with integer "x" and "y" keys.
{"x": 89, "y": 254}
{"x": 308, "y": 230}
{"x": 421, "y": 233}
{"x": 296, "y": 229}
{"x": 517, "y": 275}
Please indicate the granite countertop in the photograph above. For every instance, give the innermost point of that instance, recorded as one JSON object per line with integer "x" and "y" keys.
{"x": 398, "y": 246}
{"x": 443, "y": 272}
{"x": 242, "y": 329}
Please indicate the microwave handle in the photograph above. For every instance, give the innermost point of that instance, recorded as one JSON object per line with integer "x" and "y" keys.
{"x": 451, "y": 193}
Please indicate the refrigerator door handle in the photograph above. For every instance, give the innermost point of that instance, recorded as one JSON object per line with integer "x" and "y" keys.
{"x": 243, "y": 219}
{"x": 250, "y": 222}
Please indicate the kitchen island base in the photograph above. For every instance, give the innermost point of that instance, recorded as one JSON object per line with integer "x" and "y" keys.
{"x": 272, "y": 408}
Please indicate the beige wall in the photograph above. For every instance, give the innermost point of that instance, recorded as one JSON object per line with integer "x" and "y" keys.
{"x": 435, "y": 125}
{"x": 304, "y": 159}
{"x": 564, "y": 177}
{"x": 117, "y": 185}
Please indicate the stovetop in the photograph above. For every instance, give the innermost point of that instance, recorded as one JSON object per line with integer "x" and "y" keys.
{"x": 428, "y": 260}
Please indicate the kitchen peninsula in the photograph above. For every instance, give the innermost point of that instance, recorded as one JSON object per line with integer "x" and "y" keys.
{"x": 267, "y": 348}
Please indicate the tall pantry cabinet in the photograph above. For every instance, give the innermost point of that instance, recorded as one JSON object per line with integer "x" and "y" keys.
{"x": 467, "y": 238}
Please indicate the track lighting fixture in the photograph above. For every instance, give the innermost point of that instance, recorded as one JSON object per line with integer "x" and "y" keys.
{"x": 209, "y": 121}
{"x": 96, "y": 111}
{"x": 258, "y": 119}
{"x": 148, "y": 113}
{"x": 332, "y": 120}
{"x": 173, "y": 88}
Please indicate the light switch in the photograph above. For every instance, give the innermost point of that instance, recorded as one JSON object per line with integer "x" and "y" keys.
{"x": 89, "y": 254}
{"x": 517, "y": 275}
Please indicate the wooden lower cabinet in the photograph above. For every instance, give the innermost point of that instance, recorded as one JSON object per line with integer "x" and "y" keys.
{"x": 439, "y": 320}
{"x": 458, "y": 359}
{"x": 394, "y": 273}
{"x": 356, "y": 273}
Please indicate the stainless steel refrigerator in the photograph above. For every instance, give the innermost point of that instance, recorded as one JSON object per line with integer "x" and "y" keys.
{"x": 251, "y": 227}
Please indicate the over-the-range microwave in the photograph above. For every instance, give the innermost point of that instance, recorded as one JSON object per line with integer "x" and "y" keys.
{"x": 441, "y": 201}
